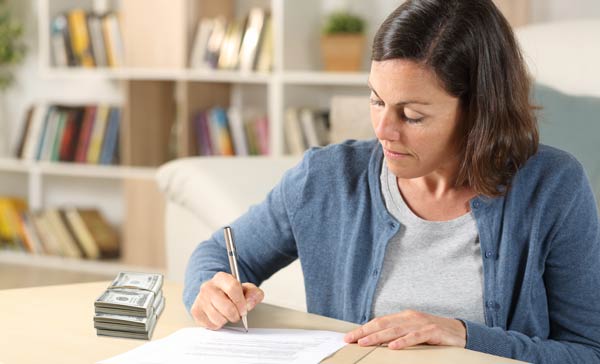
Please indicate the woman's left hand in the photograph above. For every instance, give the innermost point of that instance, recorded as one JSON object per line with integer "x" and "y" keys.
{"x": 408, "y": 328}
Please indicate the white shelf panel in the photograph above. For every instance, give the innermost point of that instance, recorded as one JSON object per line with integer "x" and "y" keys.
{"x": 326, "y": 78}
{"x": 14, "y": 165}
{"x": 95, "y": 171}
{"x": 76, "y": 169}
{"x": 78, "y": 73}
{"x": 71, "y": 264}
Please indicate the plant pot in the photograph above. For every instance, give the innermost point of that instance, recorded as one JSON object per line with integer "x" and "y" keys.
{"x": 342, "y": 52}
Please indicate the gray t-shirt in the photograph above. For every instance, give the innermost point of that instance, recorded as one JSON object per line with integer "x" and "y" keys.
{"x": 429, "y": 266}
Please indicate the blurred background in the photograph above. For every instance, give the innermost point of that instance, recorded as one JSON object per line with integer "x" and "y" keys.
{"x": 97, "y": 95}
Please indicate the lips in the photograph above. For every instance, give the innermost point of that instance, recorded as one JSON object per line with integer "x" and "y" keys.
{"x": 395, "y": 153}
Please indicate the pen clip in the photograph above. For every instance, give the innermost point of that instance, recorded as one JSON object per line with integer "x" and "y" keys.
{"x": 231, "y": 253}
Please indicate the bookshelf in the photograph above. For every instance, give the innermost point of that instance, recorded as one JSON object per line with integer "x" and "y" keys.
{"x": 160, "y": 93}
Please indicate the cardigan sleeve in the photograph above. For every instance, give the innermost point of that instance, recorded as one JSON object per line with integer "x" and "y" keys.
{"x": 572, "y": 280}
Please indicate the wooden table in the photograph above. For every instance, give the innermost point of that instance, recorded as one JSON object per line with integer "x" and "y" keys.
{"x": 54, "y": 324}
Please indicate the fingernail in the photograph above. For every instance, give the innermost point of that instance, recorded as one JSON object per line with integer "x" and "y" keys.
{"x": 250, "y": 303}
{"x": 363, "y": 341}
{"x": 348, "y": 338}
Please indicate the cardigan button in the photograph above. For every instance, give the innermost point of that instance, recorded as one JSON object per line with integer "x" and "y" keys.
{"x": 491, "y": 304}
{"x": 476, "y": 204}
{"x": 489, "y": 254}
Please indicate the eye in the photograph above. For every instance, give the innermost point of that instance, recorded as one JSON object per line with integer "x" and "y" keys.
{"x": 412, "y": 121}
{"x": 376, "y": 102}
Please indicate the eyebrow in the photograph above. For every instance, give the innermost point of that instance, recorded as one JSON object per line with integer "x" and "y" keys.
{"x": 400, "y": 103}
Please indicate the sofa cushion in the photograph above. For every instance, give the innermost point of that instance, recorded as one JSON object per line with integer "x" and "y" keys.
{"x": 217, "y": 190}
{"x": 564, "y": 55}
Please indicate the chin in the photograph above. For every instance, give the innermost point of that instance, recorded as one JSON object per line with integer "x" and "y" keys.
{"x": 403, "y": 172}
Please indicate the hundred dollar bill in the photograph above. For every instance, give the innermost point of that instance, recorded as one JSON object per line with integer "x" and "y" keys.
{"x": 159, "y": 307}
{"x": 124, "y": 325}
{"x": 145, "y": 281}
{"x": 127, "y": 301}
{"x": 122, "y": 320}
{"x": 128, "y": 334}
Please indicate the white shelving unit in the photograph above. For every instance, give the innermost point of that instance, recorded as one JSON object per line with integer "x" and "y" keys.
{"x": 295, "y": 81}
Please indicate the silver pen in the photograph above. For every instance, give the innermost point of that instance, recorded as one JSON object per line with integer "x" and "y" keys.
{"x": 232, "y": 254}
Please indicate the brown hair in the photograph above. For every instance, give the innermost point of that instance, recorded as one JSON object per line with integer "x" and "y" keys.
{"x": 471, "y": 48}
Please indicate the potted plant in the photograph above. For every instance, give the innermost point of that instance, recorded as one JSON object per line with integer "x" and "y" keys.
{"x": 342, "y": 42}
{"x": 12, "y": 51}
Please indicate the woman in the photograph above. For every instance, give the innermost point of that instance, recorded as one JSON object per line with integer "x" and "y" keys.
{"x": 453, "y": 228}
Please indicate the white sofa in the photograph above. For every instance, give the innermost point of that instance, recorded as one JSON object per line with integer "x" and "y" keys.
{"x": 204, "y": 194}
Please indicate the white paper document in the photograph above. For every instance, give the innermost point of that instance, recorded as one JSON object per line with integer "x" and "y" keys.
{"x": 233, "y": 346}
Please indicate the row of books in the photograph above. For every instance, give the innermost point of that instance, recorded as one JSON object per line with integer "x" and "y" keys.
{"x": 86, "y": 39}
{"x": 305, "y": 128}
{"x": 69, "y": 232}
{"x": 83, "y": 134}
{"x": 244, "y": 44}
{"x": 229, "y": 132}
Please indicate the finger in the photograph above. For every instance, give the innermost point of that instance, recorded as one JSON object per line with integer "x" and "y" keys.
{"x": 233, "y": 289}
{"x": 253, "y": 294}
{"x": 226, "y": 308}
{"x": 428, "y": 334}
{"x": 371, "y": 327}
{"x": 215, "y": 319}
{"x": 384, "y": 336}
{"x": 197, "y": 313}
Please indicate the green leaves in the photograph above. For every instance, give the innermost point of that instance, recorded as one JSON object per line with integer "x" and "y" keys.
{"x": 343, "y": 22}
{"x": 12, "y": 49}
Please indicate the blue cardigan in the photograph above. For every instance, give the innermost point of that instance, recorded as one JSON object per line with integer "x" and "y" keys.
{"x": 540, "y": 247}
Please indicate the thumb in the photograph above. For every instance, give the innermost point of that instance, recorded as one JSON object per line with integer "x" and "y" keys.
{"x": 253, "y": 295}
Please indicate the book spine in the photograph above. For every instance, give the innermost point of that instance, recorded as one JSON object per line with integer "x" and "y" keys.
{"x": 107, "y": 155}
{"x": 85, "y": 134}
{"x": 80, "y": 39}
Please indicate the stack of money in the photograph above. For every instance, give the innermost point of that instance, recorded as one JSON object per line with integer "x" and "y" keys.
{"x": 130, "y": 306}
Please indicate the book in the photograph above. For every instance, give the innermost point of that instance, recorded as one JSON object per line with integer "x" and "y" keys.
{"x": 97, "y": 136}
{"x": 26, "y": 128}
{"x": 94, "y": 22}
{"x": 220, "y": 135}
{"x": 109, "y": 145}
{"x": 293, "y": 132}
{"x": 237, "y": 131}
{"x": 215, "y": 41}
{"x": 308, "y": 127}
{"x": 264, "y": 61}
{"x": 85, "y": 134}
{"x": 48, "y": 239}
{"x": 203, "y": 138}
{"x": 104, "y": 235}
{"x": 71, "y": 134}
{"x": 45, "y": 150}
{"x": 198, "y": 56}
{"x": 80, "y": 38}
{"x": 11, "y": 236}
{"x": 60, "y": 129}
{"x": 31, "y": 237}
{"x": 68, "y": 245}
{"x": 249, "y": 48}
{"x": 81, "y": 233}
{"x": 60, "y": 42}
{"x": 113, "y": 40}
{"x": 230, "y": 47}
{"x": 261, "y": 125}
{"x": 34, "y": 132}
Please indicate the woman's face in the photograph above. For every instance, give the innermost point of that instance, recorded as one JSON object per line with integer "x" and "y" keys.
{"x": 414, "y": 118}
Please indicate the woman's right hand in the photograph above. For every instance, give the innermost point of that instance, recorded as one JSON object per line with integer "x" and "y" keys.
{"x": 223, "y": 299}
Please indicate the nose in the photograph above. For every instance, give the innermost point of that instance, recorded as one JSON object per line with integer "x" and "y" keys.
{"x": 387, "y": 125}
